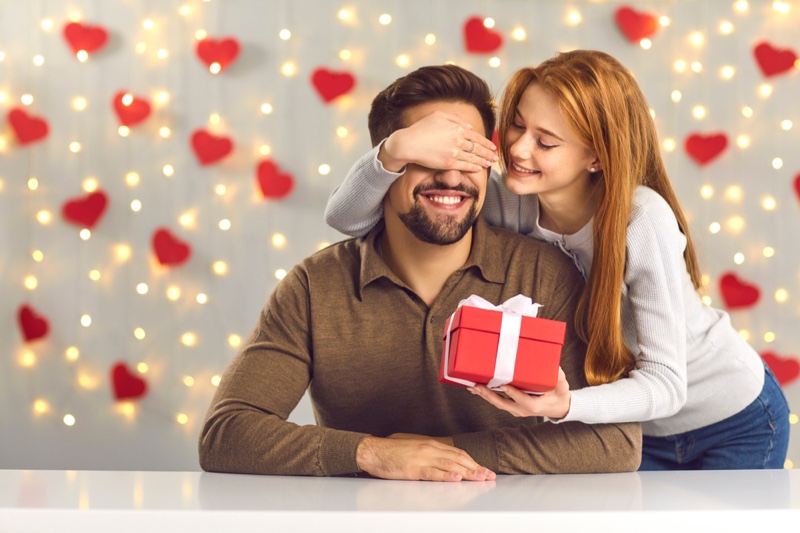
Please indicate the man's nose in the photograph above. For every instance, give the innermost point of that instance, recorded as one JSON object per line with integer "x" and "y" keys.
{"x": 450, "y": 178}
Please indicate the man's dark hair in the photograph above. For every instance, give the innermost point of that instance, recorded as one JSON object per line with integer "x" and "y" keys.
{"x": 437, "y": 83}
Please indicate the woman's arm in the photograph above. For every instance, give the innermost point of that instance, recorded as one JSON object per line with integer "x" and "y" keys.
{"x": 440, "y": 140}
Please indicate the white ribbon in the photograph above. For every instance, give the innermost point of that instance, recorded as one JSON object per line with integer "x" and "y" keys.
{"x": 513, "y": 310}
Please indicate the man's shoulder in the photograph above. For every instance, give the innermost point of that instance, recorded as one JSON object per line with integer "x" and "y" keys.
{"x": 341, "y": 254}
{"x": 512, "y": 242}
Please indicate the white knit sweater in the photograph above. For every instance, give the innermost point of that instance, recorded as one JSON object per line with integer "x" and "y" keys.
{"x": 692, "y": 367}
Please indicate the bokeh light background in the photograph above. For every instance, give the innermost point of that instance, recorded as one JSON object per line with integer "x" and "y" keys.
{"x": 107, "y": 299}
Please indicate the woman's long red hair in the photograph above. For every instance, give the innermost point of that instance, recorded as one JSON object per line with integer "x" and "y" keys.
{"x": 603, "y": 104}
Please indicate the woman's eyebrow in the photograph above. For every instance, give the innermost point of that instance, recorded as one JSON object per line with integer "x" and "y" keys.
{"x": 518, "y": 116}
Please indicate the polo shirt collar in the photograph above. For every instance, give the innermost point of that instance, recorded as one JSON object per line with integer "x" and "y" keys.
{"x": 485, "y": 256}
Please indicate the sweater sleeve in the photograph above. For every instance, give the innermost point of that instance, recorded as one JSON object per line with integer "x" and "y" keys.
{"x": 655, "y": 276}
{"x": 572, "y": 447}
{"x": 246, "y": 428}
{"x": 356, "y": 205}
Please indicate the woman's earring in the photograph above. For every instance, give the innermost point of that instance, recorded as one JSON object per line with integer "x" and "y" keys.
{"x": 591, "y": 169}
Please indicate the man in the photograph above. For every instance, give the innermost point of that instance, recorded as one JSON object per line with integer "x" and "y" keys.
{"x": 360, "y": 325}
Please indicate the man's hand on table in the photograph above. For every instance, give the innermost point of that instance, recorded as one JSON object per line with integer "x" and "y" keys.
{"x": 417, "y": 457}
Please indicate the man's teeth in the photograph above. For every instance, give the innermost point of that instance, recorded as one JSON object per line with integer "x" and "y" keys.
{"x": 448, "y": 200}
{"x": 520, "y": 169}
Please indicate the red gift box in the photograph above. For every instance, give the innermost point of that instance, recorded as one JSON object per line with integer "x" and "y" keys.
{"x": 473, "y": 350}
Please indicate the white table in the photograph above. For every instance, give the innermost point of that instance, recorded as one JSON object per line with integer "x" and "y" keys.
{"x": 58, "y": 501}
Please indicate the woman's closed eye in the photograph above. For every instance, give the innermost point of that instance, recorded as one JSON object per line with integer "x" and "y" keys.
{"x": 545, "y": 146}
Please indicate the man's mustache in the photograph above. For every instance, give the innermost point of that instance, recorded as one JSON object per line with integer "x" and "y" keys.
{"x": 422, "y": 189}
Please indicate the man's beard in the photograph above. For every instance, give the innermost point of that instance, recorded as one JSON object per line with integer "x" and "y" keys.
{"x": 445, "y": 229}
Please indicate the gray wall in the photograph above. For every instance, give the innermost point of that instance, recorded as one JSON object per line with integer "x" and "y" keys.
{"x": 301, "y": 132}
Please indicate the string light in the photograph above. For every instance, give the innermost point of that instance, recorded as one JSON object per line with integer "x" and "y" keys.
{"x": 714, "y": 227}
{"x": 768, "y": 251}
{"x": 215, "y": 379}
{"x": 742, "y": 6}
{"x": 28, "y": 359}
{"x": 182, "y": 419}
{"x": 189, "y": 339}
{"x": 747, "y": 111}
{"x": 697, "y": 67}
{"x": 38, "y": 60}
{"x": 168, "y": 170}
{"x": 265, "y": 149}
{"x": 26, "y": 99}
{"x": 385, "y": 19}
{"x": 90, "y": 185}
{"x": 324, "y": 169}
{"x": 707, "y": 192}
{"x": 786, "y": 125}
{"x": 142, "y": 288}
{"x": 777, "y": 163}
{"x": 738, "y": 258}
{"x": 699, "y": 112}
{"x": 743, "y": 141}
{"x": 765, "y": 90}
{"x": 781, "y": 295}
{"x": 646, "y": 44}
{"x": 664, "y": 21}
{"x": 494, "y": 62}
{"x": 266, "y": 108}
{"x": 132, "y": 179}
{"x": 86, "y": 321}
{"x": 123, "y": 131}
{"x": 30, "y": 282}
{"x": 430, "y": 39}
{"x": 38, "y": 256}
{"x": 744, "y": 334}
{"x": 234, "y": 340}
{"x": 224, "y": 224}
{"x": 79, "y": 103}
{"x": 769, "y": 336}
{"x": 725, "y": 27}
{"x": 33, "y": 183}
{"x": 697, "y": 39}
{"x": 403, "y": 60}
{"x": 285, "y": 34}
{"x": 94, "y": 275}
{"x": 173, "y": 293}
{"x": 201, "y": 298}
{"x": 574, "y": 17}
{"x": 288, "y": 69}
{"x": 220, "y": 268}
{"x": 727, "y": 72}
{"x": 72, "y": 353}
{"x": 69, "y": 420}
{"x": 769, "y": 203}
{"x": 341, "y": 132}
{"x": 734, "y": 193}
{"x": 41, "y": 407}
{"x": 679, "y": 65}
{"x": 345, "y": 54}
{"x": 200, "y": 34}
{"x": 278, "y": 240}
{"x": 148, "y": 24}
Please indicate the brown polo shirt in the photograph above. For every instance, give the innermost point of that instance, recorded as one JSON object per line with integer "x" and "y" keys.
{"x": 343, "y": 326}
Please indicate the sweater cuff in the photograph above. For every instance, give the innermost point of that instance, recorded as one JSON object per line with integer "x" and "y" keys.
{"x": 378, "y": 165}
{"x": 482, "y": 447}
{"x": 337, "y": 452}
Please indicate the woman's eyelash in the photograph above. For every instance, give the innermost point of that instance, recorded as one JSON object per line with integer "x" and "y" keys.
{"x": 545, "y": 146}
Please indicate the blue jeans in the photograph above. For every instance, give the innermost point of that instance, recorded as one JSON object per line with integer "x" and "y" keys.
{"x": 755, "y": 438}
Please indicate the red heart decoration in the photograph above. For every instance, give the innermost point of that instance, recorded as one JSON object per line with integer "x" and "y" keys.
{"x": 208, "y": 148}
{"x": 27, "y": 128}
{"x": 786, "y": 369}
{"x": 330, "y": 85}
{"x": 797, "y": 186}
{"x": 126, "y": 385}
{"x": 87, "y": 210}
{"x": 223, "y": 52}
{"x": 169, "y": 249}
{"x": 635, "y": 25}
{"x": 84, "y": 37}
{"x": 479, "y": 39}
{"x": 134, "y": 113}
{"x": 773, "y": 61}
{"x": 33, "y": 325}
{"x": 736, "y": 293}
{"x": 274, "y": 183}
{"x": 704, "y": 148}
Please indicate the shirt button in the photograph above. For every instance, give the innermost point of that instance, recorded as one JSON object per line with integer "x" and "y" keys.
{"x": 432, "y": 319}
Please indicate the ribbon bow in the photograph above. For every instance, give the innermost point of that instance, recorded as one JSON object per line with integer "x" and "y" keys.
{"x": 513, "y": 310}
